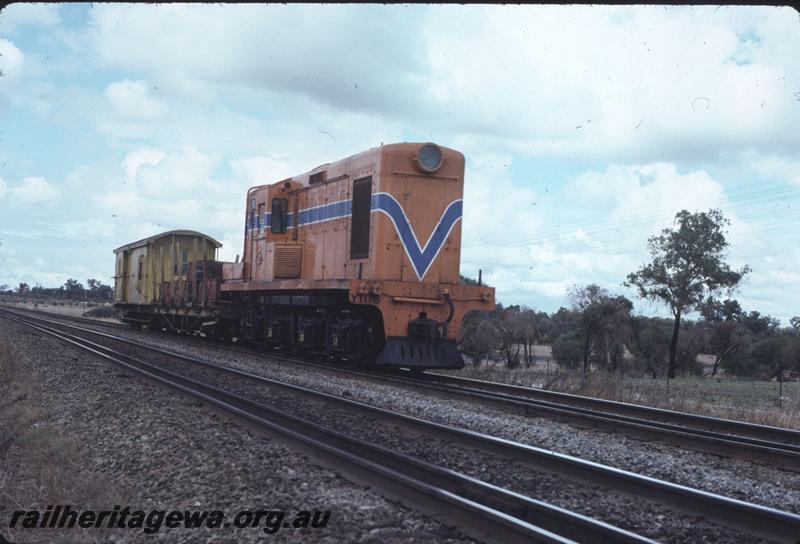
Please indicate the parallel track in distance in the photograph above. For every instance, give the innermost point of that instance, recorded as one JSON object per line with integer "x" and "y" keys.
{"x": 752, "y": 518}
{"x": 483, "y": 510}
{"x": 773, "y": 446}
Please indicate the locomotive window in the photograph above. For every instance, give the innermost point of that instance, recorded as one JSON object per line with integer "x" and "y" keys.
{"x": 279, "y": 215}
{"x": 359, "y": 225}
{"x": 316, "y": 178}
{"x": 261, "y": 219}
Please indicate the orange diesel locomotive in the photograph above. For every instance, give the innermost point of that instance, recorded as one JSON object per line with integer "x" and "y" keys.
{"x": 356, "y": 260}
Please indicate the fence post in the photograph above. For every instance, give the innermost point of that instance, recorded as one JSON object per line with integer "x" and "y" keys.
{"x": 668, "y": 389}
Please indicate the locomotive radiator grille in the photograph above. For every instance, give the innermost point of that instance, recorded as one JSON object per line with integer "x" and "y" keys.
{"x": 288, "y": 261}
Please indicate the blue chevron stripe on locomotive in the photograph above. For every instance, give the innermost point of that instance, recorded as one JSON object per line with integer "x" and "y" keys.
{"x": 421, "y": 257}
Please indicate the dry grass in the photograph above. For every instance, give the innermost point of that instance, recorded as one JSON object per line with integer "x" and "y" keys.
{"x": 744, "y": 400}
{"x": 39, "y": 465}
{"x": 104, "y": 312}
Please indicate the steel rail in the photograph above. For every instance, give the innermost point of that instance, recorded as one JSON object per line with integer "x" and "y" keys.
{"x": 710, "y": 423}
{"x": 698, "y": 421}
{"x": 89, "y": 320}
{"x": 776, "y": 453}
{"x": 488, "y": 511}
{"x": 755, "y": 519}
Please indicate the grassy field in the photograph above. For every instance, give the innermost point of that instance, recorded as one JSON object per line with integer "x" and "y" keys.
{"x": 745, "y": 400}
{"x": 104, "y": 312}
{"x": 39, "y": 465}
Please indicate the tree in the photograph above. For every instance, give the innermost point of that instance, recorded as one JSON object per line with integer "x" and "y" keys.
{"x": 727, "y": 310}
{"x": 562, "y": 322}
{"x": 769, "y": 358}
{"x": 23, "y": 289}
{"x": 614, "y": 330}
{"x": 688, "y": 268}
{"x": 726, "y": 339}
{"x": 604, "y": 324}
{"x": 509, "y": 327}
{"x": 585, "y": 302}
{"x": 568, "y": 350}
{"x": 527, "y": 328}
{"x": 649, "y": 343}
{"x": 73, "y": 288}
{"x": 726, "y": 335}
{"x": 479, "y": 336}
{"x": 99, "y": 291}
{"x": 759, "y": 325}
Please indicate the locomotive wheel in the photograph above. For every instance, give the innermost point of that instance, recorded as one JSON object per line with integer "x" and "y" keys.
{"x": 354, "y": 363}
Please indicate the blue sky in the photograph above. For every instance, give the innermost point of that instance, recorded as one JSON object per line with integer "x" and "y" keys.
{"x": 585, "y": 128}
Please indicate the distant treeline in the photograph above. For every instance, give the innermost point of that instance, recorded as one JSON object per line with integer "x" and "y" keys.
{"x": 688, "y": 274}
{"x": 71, "y": 290}
{"x": 603, "y": 335}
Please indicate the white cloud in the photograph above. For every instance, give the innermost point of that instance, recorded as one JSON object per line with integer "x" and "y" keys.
{"x": 248, "y": 45}
{"x": 264, "y": 169}
{"x": 133, "y": 161}
{"x": 19, "y": 14}
{"x": 185, "y": 173}
{"x": 626, "y": 88}
{"x": 133, "y": 99}
{"x": 625, "y": 91}
{"x": 3, "y": 189}
{"x": 594, "y": 230}
{"x": 777, "y": 167}
{"x": 647, "y": 195}
{"x": 11, "y": 61}
{"x": 207, "y": 100}
{"x": 35, "y": 189}
{"x": 154, "y": 190}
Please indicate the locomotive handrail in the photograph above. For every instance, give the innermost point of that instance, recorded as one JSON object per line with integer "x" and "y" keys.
{"x": 418, "y": 300}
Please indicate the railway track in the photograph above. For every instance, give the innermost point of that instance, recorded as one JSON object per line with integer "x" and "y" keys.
{"x": 763, "y": 444}
{"x": 486, "y": 511}
{"x": 755, "y": 519}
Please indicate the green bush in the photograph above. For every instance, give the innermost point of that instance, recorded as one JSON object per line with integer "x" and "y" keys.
{"x": 568, "y": 350}
{"x": 767, "y": 358}
{"x": 102, "y": 311}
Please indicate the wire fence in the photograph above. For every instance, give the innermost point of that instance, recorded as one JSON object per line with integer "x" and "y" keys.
{"x": 764, "y": 402}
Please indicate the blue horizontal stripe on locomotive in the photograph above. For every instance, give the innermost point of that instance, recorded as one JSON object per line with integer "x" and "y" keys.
{"x": 326, "y": 212}
{"x": 421, "y": 257}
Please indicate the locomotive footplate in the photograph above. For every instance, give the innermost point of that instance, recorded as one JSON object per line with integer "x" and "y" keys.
{"x": 412, "y": 353}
